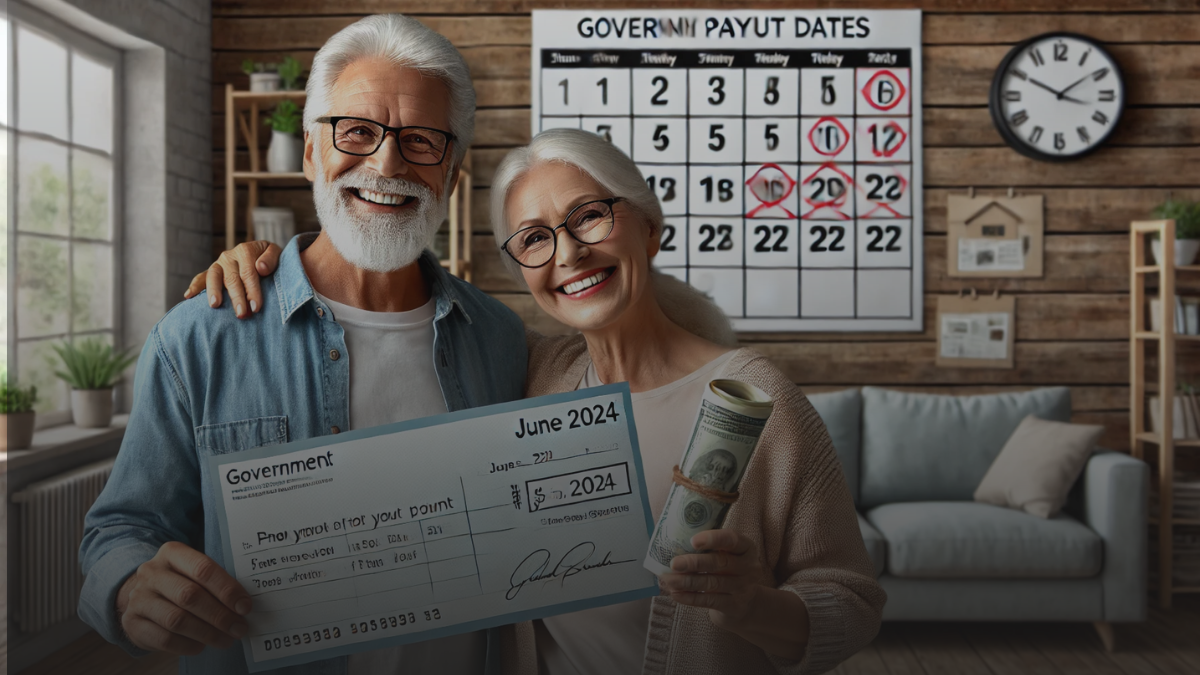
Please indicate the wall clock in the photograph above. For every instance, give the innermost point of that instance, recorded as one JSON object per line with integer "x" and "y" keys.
{"x": 1057, "y": 96}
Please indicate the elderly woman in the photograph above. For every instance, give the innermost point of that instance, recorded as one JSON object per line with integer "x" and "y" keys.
{"x": 785, "y": 585}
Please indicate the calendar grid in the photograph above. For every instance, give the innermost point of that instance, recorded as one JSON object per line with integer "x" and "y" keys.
{"x": 787, "y": 177}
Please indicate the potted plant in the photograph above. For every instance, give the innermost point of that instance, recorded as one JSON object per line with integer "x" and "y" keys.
{"x": 262, "y": 75}
{"x": 290, "y": 73}
{"x": 16, "y": 415}
{"x": 1187, "y": 230}
{"x": 285, "y": 154}
{"x": 92, "y": 368}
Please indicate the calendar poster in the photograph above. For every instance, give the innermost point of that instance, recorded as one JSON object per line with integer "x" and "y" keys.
{"x": 783, "y": 145}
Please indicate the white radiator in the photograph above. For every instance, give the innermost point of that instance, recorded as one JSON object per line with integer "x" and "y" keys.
{"x": 51, "y": 520}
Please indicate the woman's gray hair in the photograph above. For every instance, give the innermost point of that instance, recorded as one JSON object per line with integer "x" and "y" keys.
{"x": 406, "y": 42}
{"x": 589, "y": 153}
{"x": 616, "y": 173}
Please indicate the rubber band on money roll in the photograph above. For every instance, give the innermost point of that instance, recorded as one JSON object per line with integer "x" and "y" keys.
{"x": 704, "y": 490}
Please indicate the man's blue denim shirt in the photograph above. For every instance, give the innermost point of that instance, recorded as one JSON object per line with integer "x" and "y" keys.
{"x": 208, "y": 383}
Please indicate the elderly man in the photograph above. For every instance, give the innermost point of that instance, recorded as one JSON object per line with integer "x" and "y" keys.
{"x": 357, "y": 328}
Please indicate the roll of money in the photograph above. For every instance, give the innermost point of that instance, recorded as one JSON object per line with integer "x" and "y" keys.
{"x": 731, "y": 418}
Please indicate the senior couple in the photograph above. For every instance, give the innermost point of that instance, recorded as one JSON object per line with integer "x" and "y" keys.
{"x": 357, "y": 327}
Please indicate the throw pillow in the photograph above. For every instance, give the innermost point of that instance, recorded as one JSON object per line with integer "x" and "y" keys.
{"x": 1038, "y": 465}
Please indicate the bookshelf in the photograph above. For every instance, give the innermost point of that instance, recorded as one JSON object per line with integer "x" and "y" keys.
{"x": 1159, "y": 448}
{"x": 243, "y": 111}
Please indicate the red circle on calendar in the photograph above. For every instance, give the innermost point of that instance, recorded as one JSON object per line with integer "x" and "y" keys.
{"x": 770, "y": 185}
{"x": 891, "y": 87}
{"x": 831, "y": 133}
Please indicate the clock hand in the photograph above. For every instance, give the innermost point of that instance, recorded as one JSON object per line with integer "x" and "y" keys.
{"x": 1046, "y": 87}
{"x": 1073, "y": 85}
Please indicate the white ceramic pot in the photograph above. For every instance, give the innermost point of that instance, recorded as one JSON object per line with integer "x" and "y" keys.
{"x": 16, "y": 430}
{"x": 274, "y": 224}
{"x": 1185, "y": 251}
{"x": 265, "y": 82}
{"x": 92, "y": 408}
{"x": 285, "y": 154}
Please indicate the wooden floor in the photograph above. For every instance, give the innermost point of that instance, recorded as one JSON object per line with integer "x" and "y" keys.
{"x": 1169, "y": 643}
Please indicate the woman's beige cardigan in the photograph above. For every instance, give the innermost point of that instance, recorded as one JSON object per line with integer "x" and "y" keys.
{"x": 794, "y": 504}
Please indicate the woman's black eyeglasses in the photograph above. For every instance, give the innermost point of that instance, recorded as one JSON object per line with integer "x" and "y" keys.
{"x": 588, "y": 223}
{"x": 418, "y": 145}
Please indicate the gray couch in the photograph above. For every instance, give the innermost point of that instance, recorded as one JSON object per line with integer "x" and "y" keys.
{"x": 913, "y": 462}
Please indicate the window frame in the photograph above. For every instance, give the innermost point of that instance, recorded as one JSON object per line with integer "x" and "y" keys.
{"x": 74, "y": 41}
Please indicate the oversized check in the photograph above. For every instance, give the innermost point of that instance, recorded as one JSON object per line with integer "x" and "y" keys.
{"x": 437, "y": 526}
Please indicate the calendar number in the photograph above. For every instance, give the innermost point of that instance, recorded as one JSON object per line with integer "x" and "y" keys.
{"x": 771, "y": 97}
{"x": 771, "y": 136}
{"x": 724, "y": 190}
{"x": 886, "y": 139}
{"x": 879, "y": 233}
{"x": 604, "y": 130}
{"x": 657, "y": 98}
{"x": 718, "y": 90}
{"x": 661, "y": 140}
{"x": 668, "y": 239}
{"x": 603, "y": 84}
{"x": 834, "y": 232}
{"x": 836, "y": 188}
{"x": 828, "y": 94}
{"x": 717, "y": 139}
{"x": 666, "y": 185}
{"x": 725, "y": 232}
{"x": 563, "y": 84}
{"x": 764, "y": 245}
{"x": 878, "y": 182}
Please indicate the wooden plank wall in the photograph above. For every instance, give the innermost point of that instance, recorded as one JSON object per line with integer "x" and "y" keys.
{"x": 1072, "y": 325}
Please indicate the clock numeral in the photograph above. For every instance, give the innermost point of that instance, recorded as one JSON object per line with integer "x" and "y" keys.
{"x": 1038, "y": 59}
{"x": 1100, "y": 117}
{"x": 1036, "y": 135}
{"x": 1100, "y": 74}
{"x": 1059, "y": 141}
{"x": 1084, "y": 57}
{"x": 1083, "y": 135}
{"x": 1019, "y": 118}
{"x": 1017, "y": 72}
{"x": 1012, "y": 96}
{"x": 1060, "y": 51}
{"x": 1108, "y": 95}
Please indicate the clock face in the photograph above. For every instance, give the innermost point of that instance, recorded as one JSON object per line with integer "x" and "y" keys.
{"x": 1057, "y": 97}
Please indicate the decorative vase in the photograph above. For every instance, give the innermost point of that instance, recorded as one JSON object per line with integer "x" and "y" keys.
{"x": 265, "y": 82}
{"x": 1185, "y": 251}
{"x": 16, "y": 430}
{"x": 285, "y": 154}
{"x": 92, "y": 408}
{"x": 274, "y": 224}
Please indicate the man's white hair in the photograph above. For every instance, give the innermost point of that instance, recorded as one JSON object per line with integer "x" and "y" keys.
{"x": 406, "y": 42}
{"x": 619, "y": 175}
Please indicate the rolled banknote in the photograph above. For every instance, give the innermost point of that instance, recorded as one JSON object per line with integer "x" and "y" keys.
{"x": 731, "y": 418}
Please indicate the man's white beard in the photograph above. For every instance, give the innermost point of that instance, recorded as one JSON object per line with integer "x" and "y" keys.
{"x": 378, "y": 242}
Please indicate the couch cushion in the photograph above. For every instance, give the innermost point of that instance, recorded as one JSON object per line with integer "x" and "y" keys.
{"x": 876, "y": 545}
{"x": 841, "y": 412}
{"x": 926, "y": 447}
{"x": 967, "y": 540}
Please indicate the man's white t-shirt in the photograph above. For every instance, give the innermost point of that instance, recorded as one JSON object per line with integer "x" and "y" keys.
{"x": 392, "y": 379}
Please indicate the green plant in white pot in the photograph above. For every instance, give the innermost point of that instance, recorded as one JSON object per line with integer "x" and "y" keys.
{"x": 92, "y": 369}
{"x": 16, "y": 415}
{"x": 262, "y": 76}
{"x": 1187, "y": 230}
{"x": 286, "y": 152}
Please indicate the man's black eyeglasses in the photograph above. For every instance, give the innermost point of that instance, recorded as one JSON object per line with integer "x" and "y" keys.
{"x": 423, "y": 146}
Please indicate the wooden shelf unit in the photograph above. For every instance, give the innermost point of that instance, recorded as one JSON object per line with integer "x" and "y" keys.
{"x": 243, "y": 111}
{"x": 1164, "y": 385}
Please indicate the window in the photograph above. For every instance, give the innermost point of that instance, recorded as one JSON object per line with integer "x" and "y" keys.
{"x": 61, "y": 165}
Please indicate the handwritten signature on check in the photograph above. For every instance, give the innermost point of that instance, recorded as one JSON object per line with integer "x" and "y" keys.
{"x": 534, "y": 566}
